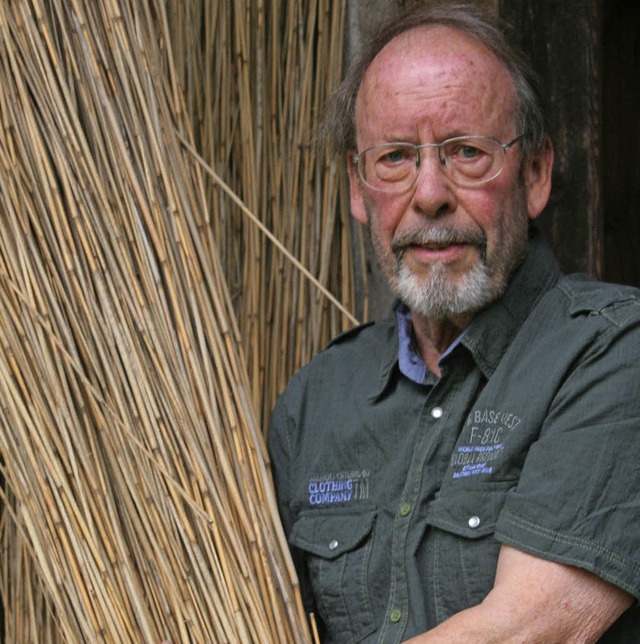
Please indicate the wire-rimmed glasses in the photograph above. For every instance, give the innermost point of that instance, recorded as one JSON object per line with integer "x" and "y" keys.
{"x": 466, "y": 160}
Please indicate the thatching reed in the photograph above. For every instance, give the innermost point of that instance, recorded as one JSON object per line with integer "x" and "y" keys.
{"x": 269, "y": 68}
{"x": 137, "y": 504}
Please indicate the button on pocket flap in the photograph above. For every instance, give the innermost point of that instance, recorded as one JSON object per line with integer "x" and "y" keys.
{"x": 329, "y": 535}
{"x": 468, "y": 513}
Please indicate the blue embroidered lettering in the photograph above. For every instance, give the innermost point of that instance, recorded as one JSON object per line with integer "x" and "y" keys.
{"x": 321, "y": 492}
{"x": 330, "y": 497}
{"x": 341, "y": 487}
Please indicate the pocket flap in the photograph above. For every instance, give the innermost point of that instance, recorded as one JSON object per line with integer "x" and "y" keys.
{"x": 331, "y": 534}
{"x": 468, "y": 513}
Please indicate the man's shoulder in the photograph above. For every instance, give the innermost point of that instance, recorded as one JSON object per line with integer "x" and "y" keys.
{"x": 360, "y": 345}
{"x": 361, "y": 349}
{"x": 361, "y": 337}
{"x": 584, "y": 295}
{"x": 353, "y": 335}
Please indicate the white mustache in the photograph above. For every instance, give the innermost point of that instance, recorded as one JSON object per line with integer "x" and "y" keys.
{"x": 437, "y": 236}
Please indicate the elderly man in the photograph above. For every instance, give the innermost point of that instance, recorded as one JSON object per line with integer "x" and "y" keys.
{"x": 468, "y": 469}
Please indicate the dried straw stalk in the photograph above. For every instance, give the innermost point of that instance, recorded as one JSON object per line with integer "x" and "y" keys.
{"x": 138, "y": 505}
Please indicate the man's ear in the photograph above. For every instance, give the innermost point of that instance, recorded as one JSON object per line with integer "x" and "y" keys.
{"x": 358, "y": 209}
{"x": 537, "y": 179}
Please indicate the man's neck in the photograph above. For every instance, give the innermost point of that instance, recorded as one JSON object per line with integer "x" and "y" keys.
{"x": 434, "y": 336}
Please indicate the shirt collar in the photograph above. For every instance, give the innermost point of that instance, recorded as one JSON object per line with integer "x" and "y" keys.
{"x": 494, "y": 328}
{"x": 410, "y": 361}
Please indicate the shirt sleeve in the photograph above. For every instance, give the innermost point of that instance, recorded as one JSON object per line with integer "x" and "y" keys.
{"x": 578, "y": 498}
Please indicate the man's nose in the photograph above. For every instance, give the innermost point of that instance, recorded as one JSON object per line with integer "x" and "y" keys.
{"x": 434, "y": 192}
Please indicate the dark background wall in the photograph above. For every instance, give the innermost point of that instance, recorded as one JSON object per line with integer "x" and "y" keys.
{"x": 587, "y": 54}
{"x": 621, "y": 140}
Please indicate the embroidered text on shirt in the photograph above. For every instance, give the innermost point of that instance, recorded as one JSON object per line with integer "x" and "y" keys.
{"x": 341, "y": 487}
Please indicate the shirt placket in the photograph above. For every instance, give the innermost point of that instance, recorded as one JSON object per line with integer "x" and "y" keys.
{"x": 432, "y": 421}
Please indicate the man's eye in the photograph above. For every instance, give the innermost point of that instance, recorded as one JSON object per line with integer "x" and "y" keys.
{"x": 397, "y": 155}
{"x": 466, "y": 152}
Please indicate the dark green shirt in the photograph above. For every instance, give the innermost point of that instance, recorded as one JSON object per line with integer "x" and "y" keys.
{"x": 395, "y": 496}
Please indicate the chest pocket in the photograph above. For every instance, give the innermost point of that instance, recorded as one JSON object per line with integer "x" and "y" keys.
{"x": 462, "y": 549}
{"x": 337, "y": 546}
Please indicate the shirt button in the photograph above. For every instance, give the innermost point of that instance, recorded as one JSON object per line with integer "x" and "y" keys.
{"x": 437, "y": 412}
{"x": 405, "y": 509}
{"x": 395, "y": 616}
{"x": 474, "y": 522}
{"x": 333, "y": 545}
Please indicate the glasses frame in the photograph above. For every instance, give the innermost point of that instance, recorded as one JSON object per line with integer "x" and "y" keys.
{"x": 359, "y": 156}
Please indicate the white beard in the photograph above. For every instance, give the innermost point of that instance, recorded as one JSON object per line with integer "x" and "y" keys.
{"x": 437, "y": 296}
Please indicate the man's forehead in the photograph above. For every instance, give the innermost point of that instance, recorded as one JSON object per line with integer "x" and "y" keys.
{"x": 418, "y": 46}
{"x": 433, "y": 61}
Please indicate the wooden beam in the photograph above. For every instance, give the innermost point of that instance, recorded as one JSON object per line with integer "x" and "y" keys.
{"x": 564, "y": 43}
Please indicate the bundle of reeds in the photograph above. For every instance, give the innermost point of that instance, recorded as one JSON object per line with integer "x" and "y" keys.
{"x": 268, "y": 68}
{"x": 137, "y": 503}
